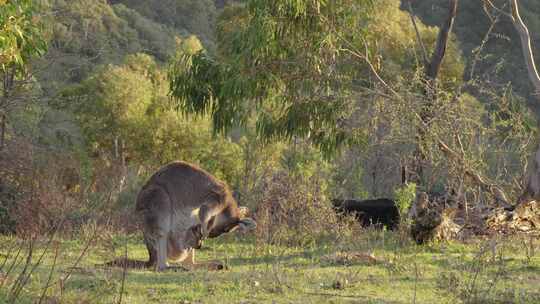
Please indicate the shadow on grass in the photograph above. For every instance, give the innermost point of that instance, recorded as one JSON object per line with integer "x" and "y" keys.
{"x": 266, "y": 259}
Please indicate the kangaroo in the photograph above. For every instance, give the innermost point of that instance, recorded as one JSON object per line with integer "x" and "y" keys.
{"x": 181, "y": 205}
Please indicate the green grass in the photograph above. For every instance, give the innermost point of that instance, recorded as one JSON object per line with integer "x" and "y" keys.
{"x": 260, "y": 273}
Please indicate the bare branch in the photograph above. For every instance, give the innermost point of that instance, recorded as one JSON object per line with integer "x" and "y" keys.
{"x": 501, "y": 11}
{"x": 526, "y": 46}
{"x": 494, "y": 20}
{"x": 418, "y": 37}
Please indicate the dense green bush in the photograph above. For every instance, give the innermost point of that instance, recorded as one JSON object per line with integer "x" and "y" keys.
{"x": 404, "y": 197}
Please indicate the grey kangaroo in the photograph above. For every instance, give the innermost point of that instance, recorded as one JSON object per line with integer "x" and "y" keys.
{"x": 181, "y": 205}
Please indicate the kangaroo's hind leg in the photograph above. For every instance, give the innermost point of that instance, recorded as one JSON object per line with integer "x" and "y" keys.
{"x": 157, "y": 225}
{"x": 151, "y": 246}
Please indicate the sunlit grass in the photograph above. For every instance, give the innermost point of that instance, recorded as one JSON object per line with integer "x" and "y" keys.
{"x": 489, "y": 271}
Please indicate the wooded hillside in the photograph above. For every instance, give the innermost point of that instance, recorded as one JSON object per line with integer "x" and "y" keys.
{"x": 100, "y": 95}
{"x": 370, "y": 150}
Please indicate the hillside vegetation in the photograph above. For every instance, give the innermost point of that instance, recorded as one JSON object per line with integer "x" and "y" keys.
{"x": 292, "y": 104}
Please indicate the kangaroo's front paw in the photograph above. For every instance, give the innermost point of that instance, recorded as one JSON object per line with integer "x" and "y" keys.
{"x": 195, "y": 237}
{"x": 204, "y": 231}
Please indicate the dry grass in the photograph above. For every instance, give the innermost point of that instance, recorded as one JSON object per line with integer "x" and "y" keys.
{"x": 295, "y": 211}
{"x": 369, "y": 267}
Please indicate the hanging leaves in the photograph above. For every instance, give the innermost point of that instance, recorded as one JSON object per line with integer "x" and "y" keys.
{"x": 21, "y": 34}
{"x": 283, "y": 62}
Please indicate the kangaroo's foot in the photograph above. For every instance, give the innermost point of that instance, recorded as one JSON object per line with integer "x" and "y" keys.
{"x": 210, "y": 266}
{"x": 176, "y": 268}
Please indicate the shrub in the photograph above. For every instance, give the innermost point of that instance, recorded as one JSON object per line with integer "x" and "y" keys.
{"x": 404, "y": 197}
{"x": 7, "y": 204}
{"x": 295, "y": 211}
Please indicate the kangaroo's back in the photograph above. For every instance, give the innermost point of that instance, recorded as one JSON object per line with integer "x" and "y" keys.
{"x": 186, "y": 185}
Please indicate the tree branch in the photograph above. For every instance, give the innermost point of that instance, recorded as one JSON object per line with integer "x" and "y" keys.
{"x": 498, "y": 194}
{"x": 418, "y": 37}
{"x": 526, "y": 46}
{"x": 490, "y": 4}
{"x": 432, "y": 70}
{"x": 494, "y": 20}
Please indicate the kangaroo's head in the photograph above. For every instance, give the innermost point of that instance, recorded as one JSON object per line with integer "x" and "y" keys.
{"x": 232, "y": 218}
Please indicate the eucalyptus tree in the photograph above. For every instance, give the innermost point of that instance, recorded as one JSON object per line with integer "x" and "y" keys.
{"x": 313, "y": 69}
{"x": 532, "y": 181}
{"x": 291, "y": 64}
{"x": 21, "y": 38}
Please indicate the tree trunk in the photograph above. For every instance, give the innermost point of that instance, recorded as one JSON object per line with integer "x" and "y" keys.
{"x": 433, "y": 68}
{"x": 123, "y": 165}
{"x": 526, "y": 47}
{"x": 2, "y": 130}
{"x": 431, "y": 71}
{"x": 532, "y": 182}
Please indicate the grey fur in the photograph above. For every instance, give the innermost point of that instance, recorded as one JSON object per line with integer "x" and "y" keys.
{"x": 181, "y": 205}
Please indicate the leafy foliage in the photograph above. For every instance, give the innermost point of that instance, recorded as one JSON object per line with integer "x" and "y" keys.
{"x": 297, "y": 66}
{"x": 128, "y": 105}
{"x": 20, "y": 34}
{"x": 405, "y": 197}
{"x": 283, "y": 61}
{"x": 185, "y": 17}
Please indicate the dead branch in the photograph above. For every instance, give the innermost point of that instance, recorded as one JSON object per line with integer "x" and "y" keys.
{"x": 124, "y": 272}
{"x": 51, "y": 272}
{"x": 418, "y": 37}
{"x": 494, "y": 20}
{"x": 474, "y": 176}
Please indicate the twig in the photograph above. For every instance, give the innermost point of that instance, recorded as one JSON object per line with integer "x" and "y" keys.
{"x": 50, "y": 275}
{"x": 502, "y": 12}
{"x": 17, "y": 285}
{"x": 12, "y": 265}
{"x": 498, "y": 274}
{"x": 51, "y": 238}
{"x": 7, "y": 256}
{"x": 415, "y": 276}
{"x": 366, "y": 59}
{"x": 494, "y": 21}
{"x": 124, "y": 272}
{"x": 83, "y": 253}
{"x": 418, "y": 37}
